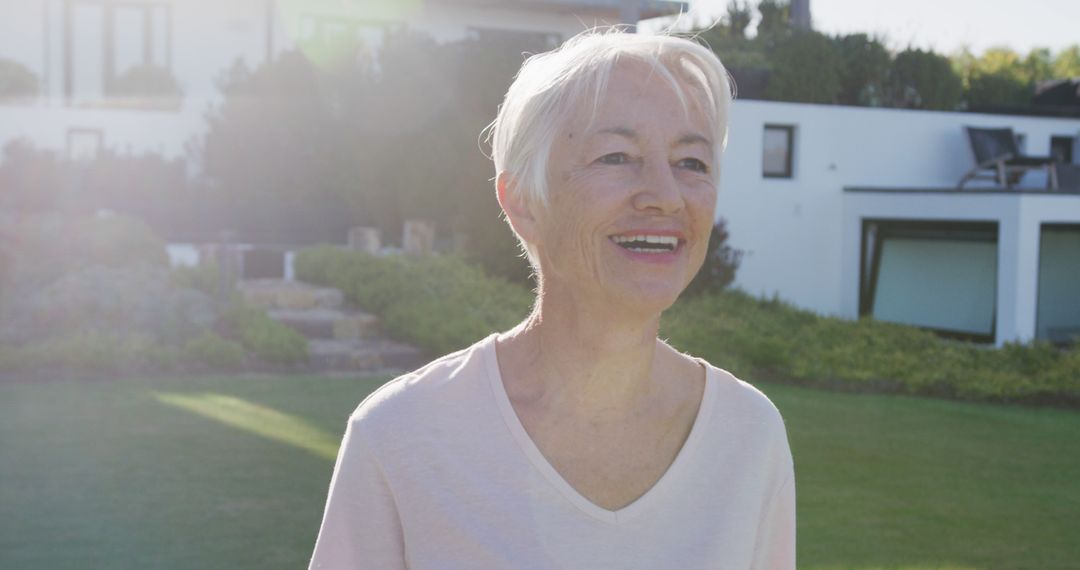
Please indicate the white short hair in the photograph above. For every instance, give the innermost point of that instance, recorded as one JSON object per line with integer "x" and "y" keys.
{"x": 551, "y": 87}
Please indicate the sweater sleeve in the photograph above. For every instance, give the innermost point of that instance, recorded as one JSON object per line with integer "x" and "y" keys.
{"x": 360, "y": 528}
{"x": 774, "y": 548}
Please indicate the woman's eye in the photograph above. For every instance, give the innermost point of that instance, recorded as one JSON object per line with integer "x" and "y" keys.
{"x": 694, "y": 164}
{"x": 614, "y": 158}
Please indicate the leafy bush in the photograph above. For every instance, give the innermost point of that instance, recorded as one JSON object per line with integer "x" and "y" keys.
{"x": 16, "y": 80}
{"x": 147, "y": 82}
{"x": 443, "y": 304}
{"x": 99, "y": 299}
{"x": 88, "y": 352}
{"x": 439, "y": 303}
{"x": 211, "y": 350}
{"x": 94, "y": 293}
{"x": 755, "y": 337}
{"x": 269, "y": 340}
{"x": 49, "y": 246}
{"x": 202, "y": 277}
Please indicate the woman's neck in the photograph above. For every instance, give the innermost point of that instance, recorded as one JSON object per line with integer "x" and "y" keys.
{"x": 582, "y": 357}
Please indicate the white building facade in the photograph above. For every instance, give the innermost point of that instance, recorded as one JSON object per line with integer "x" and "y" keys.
{"x": 854, "y": 212}
{"x": 84, "y": 52}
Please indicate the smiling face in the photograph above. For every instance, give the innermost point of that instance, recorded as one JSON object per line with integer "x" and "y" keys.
{"x": 631, "y": 194}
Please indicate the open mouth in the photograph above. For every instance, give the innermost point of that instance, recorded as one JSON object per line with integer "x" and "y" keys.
{"x": 647, "y": 243}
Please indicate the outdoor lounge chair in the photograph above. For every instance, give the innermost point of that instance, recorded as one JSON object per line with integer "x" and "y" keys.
{"x": 998, "y": 159}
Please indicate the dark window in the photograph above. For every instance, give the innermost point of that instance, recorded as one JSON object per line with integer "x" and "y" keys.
{"x": 937, "y": 275}
{"x": 116, "y": 49}
{"x": 1061, "y": 148}
{"x": 777, "y": 150}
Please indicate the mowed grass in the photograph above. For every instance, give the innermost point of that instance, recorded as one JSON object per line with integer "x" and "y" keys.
{"x": 232, "y": 473}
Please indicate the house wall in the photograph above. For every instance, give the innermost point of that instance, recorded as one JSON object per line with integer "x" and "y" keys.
{"x": 797, "y": 233}
{"x": 446, "y": 22}
{"x": 205, "y": 39}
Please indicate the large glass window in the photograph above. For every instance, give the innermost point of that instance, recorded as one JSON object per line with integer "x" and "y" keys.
{"x": 112, "y": 49}
{"x": 937, "y": 275}
{"x": 84, "y": 77}
{"x": 1058, "y": 312}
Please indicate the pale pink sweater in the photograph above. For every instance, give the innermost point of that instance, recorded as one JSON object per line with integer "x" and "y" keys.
{"x": 437, "y": 472}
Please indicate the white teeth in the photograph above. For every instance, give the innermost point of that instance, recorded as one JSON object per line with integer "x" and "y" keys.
{"x": 671, "y": 241}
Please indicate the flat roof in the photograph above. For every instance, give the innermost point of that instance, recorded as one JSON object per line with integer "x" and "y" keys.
{"x": 648, "y": 8}
{"x": 954, "y": 190}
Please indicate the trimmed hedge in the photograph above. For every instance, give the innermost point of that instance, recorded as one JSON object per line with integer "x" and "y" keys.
{"x": 771, "y": 339}
{"x": 442, "y": 304}
{"x": 439, "y": 303}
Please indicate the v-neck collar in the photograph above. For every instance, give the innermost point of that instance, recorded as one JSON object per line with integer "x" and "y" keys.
{"x": 529, "y": 448}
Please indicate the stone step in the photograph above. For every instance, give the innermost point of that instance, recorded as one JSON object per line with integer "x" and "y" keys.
{"x": 328, "y": 323}
{"x": 290, "y": 295}
{"x": 363, "y": 356}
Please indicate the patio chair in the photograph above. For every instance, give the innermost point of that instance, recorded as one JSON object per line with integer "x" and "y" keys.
{"x": 998, "y": 159}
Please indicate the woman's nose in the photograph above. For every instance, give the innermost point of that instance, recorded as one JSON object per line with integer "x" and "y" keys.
{"x": 658, "y": 189}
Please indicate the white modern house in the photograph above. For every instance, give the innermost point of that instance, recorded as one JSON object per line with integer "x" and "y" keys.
{"x": 855, "y": 211}
{"x": 87, "y": 53}
{"x": 844, "y": 211}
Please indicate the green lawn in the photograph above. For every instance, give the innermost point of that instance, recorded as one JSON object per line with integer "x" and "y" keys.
{"x": 232, "y": 473}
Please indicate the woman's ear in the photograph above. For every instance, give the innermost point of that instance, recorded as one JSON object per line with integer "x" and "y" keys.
{"x": 517, "y": 208}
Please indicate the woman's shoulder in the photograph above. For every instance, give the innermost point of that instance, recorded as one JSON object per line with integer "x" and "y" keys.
{"x": 737, "y": 399}
{"x": 442, "y": 384}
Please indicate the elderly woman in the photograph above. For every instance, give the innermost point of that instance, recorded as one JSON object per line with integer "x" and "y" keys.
{"x": 579, "y": 439}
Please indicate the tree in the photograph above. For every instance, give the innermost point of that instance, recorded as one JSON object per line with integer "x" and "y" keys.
{"x": 721, "y": 263}
{"x": 1039, "y": 65}
{"x": 999, "y": 77}
{"x": 924, "y": 80}
{"x": 276, "y": 152}
{"x": 865, "y": 70}
{"x": 375, "y": 143}
{"x": 1067, "y": 63}
{"x": 737, "y": 19}
{"x": 806, "y": 68}
{"x": 775, "y": 18}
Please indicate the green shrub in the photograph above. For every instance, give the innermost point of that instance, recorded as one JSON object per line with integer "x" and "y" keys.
{"x": 85, "y": 351}
{"x": 769, "y": 338}
{"x": 442, "y": 304}
{"x": 202, "y": 277}
{"x": 129, "y": 301}
{"x": 210, "y": 349}
{"x": 269, "y": 340}
{"x": 49, "y": 246}
{"x": 147, "y": 82}
{"x": 16, "y": 80}
{"x": 439, "y": 303}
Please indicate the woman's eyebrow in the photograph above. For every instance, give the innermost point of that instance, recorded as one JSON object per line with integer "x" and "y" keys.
{"x": 693, "y": 138}
{"x": 625, "y": 132}
{"x": 628, "y": 133}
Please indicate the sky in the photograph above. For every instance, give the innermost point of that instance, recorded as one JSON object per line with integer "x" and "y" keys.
{"x": 944, "y": 25}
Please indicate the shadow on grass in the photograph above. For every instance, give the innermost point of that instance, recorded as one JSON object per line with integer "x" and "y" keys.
{"x": 259, "y": 420}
